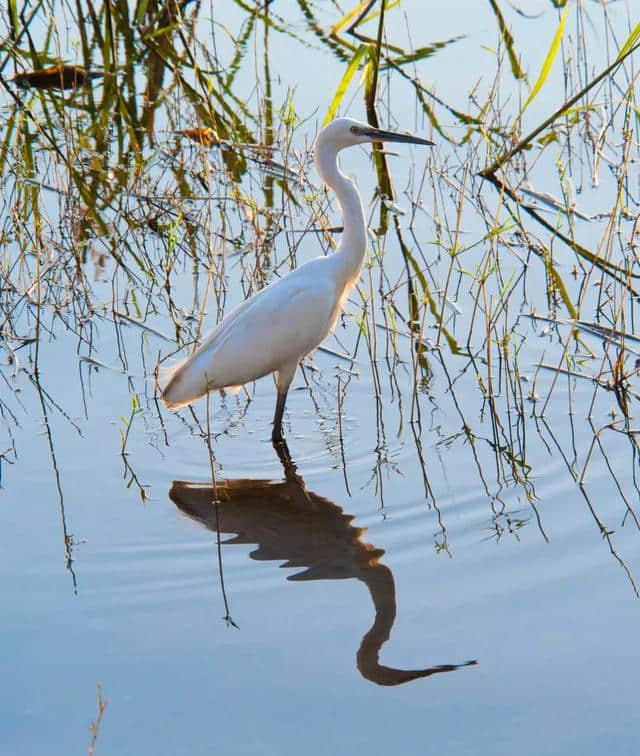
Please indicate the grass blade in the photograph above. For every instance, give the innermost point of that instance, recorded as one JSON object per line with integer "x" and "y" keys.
{"x": 13, "y": 17}
{"x": 548, "y": 61}
{"x": 559, "y": 285}
{"x": 423, "y": 52}
{"x": 631, "y": 40}
{"x": 388, "y": 5}
{"x": 140, "y": 11}
{"x": 516, "y": 70}
{"x": 345, "y": 81}
{"x": 349, "y": 17}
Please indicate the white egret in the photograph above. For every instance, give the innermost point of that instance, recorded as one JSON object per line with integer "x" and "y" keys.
{"x": 276, "y": 327}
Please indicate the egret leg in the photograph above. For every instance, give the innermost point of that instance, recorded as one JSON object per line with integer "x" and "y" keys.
{"x": 276, "y": 435}
{"x": 283, "y": 376}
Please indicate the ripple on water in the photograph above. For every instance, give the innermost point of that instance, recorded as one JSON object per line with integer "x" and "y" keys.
{"x": 480, "y": 534}
{"x": 141, "y": 577}
{"x": 483, "y": 544}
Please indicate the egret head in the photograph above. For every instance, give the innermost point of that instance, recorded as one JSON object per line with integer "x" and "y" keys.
{"x": 346, "y": 132}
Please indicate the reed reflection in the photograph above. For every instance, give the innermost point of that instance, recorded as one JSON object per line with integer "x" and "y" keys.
{"x": 291, "y": 524}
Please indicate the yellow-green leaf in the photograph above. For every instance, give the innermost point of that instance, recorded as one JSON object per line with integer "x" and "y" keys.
{"x": 140, "y": 11}
{"x": 344, "y": 82}
{"x": 507, "y": 37}
{"x": 388, "y": 5}
{"x": 631, "y": 40}
{"x": 422, "y": 52}
{"x": 161, "y": 31}
{"x": 13, "y": 16}
{"x": 548, "y": 61}
{"x": 559, "y": 284}
{"x": 342, "y": 25}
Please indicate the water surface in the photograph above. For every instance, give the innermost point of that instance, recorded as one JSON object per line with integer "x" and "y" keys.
{"x": 444, "y": 566}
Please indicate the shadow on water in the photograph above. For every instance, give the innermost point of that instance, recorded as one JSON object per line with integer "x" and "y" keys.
{"x": 292, "y": 524}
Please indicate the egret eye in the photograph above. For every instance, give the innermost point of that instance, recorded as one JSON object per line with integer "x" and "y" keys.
{"x": 354, "y": 129}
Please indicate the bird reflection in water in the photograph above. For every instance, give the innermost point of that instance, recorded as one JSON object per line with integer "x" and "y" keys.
{"x": 291, "y": 524}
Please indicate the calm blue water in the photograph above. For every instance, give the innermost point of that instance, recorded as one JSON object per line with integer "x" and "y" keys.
{"x": 319, "y": 569}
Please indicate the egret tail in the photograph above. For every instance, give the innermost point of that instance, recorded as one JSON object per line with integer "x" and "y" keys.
{"x": 186, "y": 381}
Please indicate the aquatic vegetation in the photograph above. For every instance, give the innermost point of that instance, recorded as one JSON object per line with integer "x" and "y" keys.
{"x": 147, "y": 187}
{"x": 475, "y": 409}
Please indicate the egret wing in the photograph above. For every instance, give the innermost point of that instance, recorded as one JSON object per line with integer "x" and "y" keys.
{"x": 276, "y": 326}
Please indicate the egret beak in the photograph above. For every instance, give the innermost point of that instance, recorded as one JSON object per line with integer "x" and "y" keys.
{"x": 380, "y": 135}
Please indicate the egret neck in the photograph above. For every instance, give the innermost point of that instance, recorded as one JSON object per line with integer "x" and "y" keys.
{"x": 353, "y": 245}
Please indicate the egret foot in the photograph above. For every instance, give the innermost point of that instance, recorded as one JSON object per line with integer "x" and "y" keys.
{"x": 282, "y": 450}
